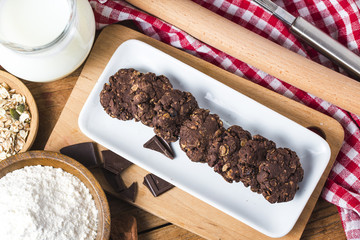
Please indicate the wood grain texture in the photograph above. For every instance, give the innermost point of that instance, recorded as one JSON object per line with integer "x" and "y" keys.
{"x": 177, "y": 206}
{"x": 257, "y": 51}
{"x": 20, "y": 87}
{"x": 57, "y": 160}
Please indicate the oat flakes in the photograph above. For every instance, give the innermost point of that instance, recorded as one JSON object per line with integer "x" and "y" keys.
{"x": 14, "y": 121}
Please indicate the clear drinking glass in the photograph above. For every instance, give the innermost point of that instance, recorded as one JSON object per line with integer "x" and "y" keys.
{"x": 45, "y": 40}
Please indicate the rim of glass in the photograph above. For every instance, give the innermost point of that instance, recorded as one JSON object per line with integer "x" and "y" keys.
{"x": 26, "y": 49}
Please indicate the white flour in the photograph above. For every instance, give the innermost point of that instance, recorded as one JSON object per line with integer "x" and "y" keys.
{"x": 46, "y": 203}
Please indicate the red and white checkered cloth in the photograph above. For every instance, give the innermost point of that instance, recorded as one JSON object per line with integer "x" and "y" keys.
{"x": 338, "y": 18}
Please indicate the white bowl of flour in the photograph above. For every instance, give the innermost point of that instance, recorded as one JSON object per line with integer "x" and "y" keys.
{"x": 46, "y": 195}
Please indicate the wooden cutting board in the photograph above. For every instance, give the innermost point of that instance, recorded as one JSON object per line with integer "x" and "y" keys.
{"x": 177, "y": 206}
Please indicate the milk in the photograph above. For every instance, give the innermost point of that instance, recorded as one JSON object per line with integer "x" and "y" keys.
{"x": 33, "y": 23}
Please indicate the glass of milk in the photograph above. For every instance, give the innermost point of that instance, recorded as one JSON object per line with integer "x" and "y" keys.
{"x": 45, "y": 40}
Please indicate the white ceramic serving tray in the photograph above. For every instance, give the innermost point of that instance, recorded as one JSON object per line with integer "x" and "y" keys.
{"x": 126, "y": 138}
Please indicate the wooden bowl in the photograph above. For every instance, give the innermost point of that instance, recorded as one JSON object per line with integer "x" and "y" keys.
{"x": 69, "y": 165}
{"x": 15, "y": 83}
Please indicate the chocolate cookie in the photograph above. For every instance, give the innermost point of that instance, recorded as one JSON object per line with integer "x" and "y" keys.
{"x": 173, "y": 108}
{"x": 115, "y": 97}
{"x": 223, "y": 152}
{"x": 144, "y": 93}
{"x": 279, "y": 175}
{"x": 233, "y": 153}
{"x": 197, "y": 132}
{"x": 251, "y": 155}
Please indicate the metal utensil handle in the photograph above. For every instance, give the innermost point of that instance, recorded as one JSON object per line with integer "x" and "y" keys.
{"x": 326, "y": 45}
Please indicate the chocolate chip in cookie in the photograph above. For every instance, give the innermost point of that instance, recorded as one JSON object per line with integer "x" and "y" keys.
{"x": 197, "y": 132}
{"x": 250, "y": 156}
{"x": 223, "y": 152}
{"x": 173, "y": 108}
{"x": 115, "y": 97}
{"x": 279, "y": 175}
{"x": 144, "y": 93}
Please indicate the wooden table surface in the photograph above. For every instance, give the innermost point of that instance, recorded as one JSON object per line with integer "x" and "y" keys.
{"x": 51, "y": 97}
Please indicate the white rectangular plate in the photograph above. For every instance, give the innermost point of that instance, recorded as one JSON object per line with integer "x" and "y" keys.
{"x": 126, "y": 138}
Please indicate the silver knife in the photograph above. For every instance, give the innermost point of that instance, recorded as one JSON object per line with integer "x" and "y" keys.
{"x": 316, "y": 38}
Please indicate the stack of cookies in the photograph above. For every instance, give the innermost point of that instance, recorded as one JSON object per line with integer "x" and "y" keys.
{"x": 233, "y": 153}
{"x": 147, "y": 98}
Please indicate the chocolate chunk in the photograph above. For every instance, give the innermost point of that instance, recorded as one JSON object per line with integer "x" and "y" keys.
{"x": 158, "y": 144}
{"x": 115, "y": 180}
{"x": 156, "y": 185}
{"x": 123, "y": 227}
{"x": 130, "y": 192}
{"x": 113, "y": 162}
{"x": 82, "y": 152}
{"x": 117, "y": 183}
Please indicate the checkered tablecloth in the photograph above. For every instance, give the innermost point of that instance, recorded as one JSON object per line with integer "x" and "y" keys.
{"x": 338, "y": 18}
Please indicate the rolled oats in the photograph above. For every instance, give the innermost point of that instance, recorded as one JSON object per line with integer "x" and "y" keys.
{"x": 14, "y": 121}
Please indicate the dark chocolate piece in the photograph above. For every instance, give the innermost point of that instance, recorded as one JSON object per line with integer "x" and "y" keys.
{"x": 115, "y": 180}
{"x": 123, "y": 227}
{"x": 130, "y": 192}
{"x": 82, "y": 152}
{"x": 156, "y": 185}
{"x": 113, "y": 162}
{"x": 158, "y": 144}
